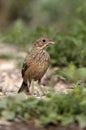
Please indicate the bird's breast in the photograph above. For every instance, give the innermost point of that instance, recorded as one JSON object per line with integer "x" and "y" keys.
{"x": 42, "y": 60}
{"x": 38, "y": 65}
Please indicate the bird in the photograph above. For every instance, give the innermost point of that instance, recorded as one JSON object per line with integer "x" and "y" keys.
{"x": 36, "y": 63}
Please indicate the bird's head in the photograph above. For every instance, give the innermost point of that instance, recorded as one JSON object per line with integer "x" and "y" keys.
{"x": 43, "y": 43}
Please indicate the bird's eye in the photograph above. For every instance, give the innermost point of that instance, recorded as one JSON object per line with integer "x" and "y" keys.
{"x": 44, "y": 40}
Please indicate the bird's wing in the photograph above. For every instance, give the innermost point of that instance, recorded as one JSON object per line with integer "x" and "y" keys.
{"x": 24, "y": 68}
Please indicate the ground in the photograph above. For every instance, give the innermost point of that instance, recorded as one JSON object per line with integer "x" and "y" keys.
{"x": 10, "y": 81}
{"x": 25, "y": 126}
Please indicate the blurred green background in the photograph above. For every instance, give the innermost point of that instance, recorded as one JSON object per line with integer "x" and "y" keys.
{"x": 64, "y": 21}
{"x": 42, "y": 12}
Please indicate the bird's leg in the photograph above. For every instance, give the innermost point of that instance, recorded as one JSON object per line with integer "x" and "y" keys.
{"x": 39, "y": 81}
{"x": 42, "y": 90}
{"x": 32, "y": 85}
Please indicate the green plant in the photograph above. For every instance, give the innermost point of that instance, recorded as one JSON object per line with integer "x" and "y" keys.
{"x": 72, "y": 74}
{"x": 70, "y": 46}
{"x": 54, "y": 109}
{"x": 18, "y": 34}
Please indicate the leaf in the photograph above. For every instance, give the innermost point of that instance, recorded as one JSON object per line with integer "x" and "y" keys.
{"x": 67, "y": 120}
{"x": 3, "y": 103}
{"x": 20, "y": 97}
{"x": 65, "y": 74}
{"x": 80, "y": 73}
{"x": 7, "y": 115}
{"x": 51, "y": 118}
{"x": 82, "y": 120}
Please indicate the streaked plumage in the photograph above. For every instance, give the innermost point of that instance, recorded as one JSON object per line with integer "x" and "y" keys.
{"x": 36, "y": 63}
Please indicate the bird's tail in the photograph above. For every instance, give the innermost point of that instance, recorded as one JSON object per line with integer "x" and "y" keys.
{"x": 23, "y": 87}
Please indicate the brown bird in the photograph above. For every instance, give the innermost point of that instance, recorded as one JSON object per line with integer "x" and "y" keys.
{"x": 36, "y": 63}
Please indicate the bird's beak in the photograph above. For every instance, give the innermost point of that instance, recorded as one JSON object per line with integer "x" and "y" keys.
{"x": 51, "y": 43}
{"x": 48, "y": 43}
